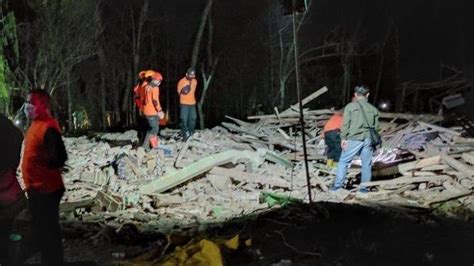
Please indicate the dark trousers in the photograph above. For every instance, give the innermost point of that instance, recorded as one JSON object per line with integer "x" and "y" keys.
{"x": 142, "y": 126}
{"x": 153, "y": 129}
{"x": 333, "y": 142}
{"x": 188, "y": 117}
{"x": 44, "y": 210}
{"x": 7, "y": 216}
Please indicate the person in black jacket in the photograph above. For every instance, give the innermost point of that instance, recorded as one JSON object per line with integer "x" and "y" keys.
{"x": 12, "y": 197}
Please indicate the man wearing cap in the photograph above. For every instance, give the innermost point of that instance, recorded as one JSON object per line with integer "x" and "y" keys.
{"x": 187, "y": 101}
{"x": 355, "y": 136}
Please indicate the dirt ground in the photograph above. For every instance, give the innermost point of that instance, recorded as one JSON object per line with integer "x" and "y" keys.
{"x": 317, "y": 234}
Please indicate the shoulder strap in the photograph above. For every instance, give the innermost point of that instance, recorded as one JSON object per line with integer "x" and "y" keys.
{"x": 363, "y": 113}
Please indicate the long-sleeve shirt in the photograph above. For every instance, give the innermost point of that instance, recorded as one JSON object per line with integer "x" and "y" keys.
{"x": 355, "y": 126}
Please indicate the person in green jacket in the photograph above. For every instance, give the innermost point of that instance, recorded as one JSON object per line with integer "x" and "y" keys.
{"x": 355, "y": 137}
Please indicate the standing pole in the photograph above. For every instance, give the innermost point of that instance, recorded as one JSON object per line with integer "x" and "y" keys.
{"x": 298, "y": 90}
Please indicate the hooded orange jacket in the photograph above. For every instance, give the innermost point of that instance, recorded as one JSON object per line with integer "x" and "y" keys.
{"x": 150, "y": 95}
{"x": 37, "y": 175}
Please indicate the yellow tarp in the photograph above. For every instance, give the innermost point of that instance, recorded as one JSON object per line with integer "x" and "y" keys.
{"x": 204, "y": 252}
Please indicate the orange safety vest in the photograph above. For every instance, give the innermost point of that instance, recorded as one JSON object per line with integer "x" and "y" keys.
{"x": 36, "y": 174}
{"x": 187, "y": 97}
{"x": 335, "y": 122}
{"x": 151, "y": 93}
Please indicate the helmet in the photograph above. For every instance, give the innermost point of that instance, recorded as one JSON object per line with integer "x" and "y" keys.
{"x": 361, "y": 90}
{"x": 191, "y": 71}
{"x": 157, "y": 76}
{"x": 148, "y": 73}
{"x": 141, "y": 75}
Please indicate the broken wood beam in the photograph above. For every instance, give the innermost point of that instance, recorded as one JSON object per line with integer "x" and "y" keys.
{"x": 468, "y": 157}
{"x": 415, "y": 117}
{"x": 294, "y": 115}
{"x": 200, "y": 167}
{"x": 405, "y": 167}
{"x": 407, "y": 180}
{"x": 250, "y": 177}
{"x": 312, "y": 96}
{"x": 438, "y": 128}
{"x": 72, "y": 206}
{"x": 461, "y": 140}
{"x": 457, "y": 165}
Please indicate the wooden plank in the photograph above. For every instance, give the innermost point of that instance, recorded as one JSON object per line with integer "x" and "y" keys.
{"x": 414, "y": 117}
{"x": 461, "y": 140}
{"x": 250, "y": 177}
{"x": 306, "y": 100}
{"x": 294, "y": 115}
{"x": 457, "y": 165}
{"x": 407, "y": 180}
{"x": 438, "y": 128}
{"x": 200, "y": 167}
{"x": 71, "y": 206}
{"x": 468, "y": 157}
{"x": 177, "y": 162}
{"x": 405, "y": 167}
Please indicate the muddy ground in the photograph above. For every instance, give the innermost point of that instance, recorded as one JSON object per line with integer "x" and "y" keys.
{"x": 316, "y": 234}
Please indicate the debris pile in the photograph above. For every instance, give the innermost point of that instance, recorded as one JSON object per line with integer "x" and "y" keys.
{"x": 244, "y": 167}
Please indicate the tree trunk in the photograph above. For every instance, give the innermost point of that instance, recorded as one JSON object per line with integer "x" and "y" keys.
{"x": 69, "y": 102}
{"x": 197, "y": 41}
{"x": 137, "y": 31}
{"x": 206, "y": 82}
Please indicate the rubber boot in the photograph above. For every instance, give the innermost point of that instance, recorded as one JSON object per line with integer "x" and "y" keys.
{"x": 329, "y": 162}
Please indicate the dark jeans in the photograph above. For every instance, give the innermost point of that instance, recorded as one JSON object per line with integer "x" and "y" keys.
{"x": 142, "y": 126}
{"x": 153, "y": 128}
{"x": 333, "y": 142}
{"x": 188, "y": 117}
{"x": 44, "y": 210}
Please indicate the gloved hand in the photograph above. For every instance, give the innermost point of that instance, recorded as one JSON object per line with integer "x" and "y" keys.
{"x": 161, "y": 114}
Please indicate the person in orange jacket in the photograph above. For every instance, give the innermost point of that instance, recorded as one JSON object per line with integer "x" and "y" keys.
{"x": 152, "y": 110}
{"x": 12, "y": 198}
{"x": 332, "y": 138}
{"x": 187, "y": 101}
{"x": 138, "y": 91}
{"x": 44, "y": 156}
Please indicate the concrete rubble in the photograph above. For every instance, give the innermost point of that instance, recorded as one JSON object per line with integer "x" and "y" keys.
{"x": 221, "y": 173}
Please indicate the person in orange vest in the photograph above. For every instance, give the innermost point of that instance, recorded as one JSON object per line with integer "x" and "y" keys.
{"x": 12, "y": 198}
{"x": 332, "y": 138}
{"x": 187, "y": 102}
{"x": 143, "y": 78}
{"x": 152, "y": 110}
{"x": 44, "y": 156}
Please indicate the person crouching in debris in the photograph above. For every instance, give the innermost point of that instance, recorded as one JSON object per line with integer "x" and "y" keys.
{"x": 44, "y": 156}
{"x": 355, "y": 137}
{"x": 152, "y": 110}
{"x": 187, "y": 102}
{"x": 12, "y": 198}
{"x": 332, "y": 138}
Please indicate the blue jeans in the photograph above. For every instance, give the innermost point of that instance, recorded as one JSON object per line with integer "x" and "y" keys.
{"x": 188, "y": 117}
{"x": 355, "y": 147}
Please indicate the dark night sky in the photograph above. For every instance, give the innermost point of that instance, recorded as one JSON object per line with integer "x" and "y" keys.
{"x": 431, "y": 31}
